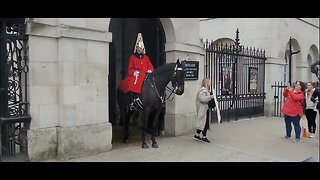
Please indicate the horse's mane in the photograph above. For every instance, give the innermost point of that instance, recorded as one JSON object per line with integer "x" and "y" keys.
{"x": 163, "y": 68}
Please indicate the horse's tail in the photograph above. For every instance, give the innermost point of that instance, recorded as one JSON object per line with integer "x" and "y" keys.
{"x": 120, "y": 98}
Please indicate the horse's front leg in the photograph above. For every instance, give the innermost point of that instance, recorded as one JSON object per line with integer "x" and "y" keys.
{"x": 155, "y": 128}
{"x": 145, "y": 114}
{"x": 143, "y": 139}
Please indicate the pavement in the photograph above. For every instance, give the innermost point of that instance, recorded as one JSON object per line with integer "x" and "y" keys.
{"x": 248, "y": 140}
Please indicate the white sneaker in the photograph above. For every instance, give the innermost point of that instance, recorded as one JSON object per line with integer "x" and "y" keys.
{"x": 312, "y": 135}
{"x": 296, "y": 141}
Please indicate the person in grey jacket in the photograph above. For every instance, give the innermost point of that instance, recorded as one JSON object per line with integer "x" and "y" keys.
{"x": 202, "y": 99}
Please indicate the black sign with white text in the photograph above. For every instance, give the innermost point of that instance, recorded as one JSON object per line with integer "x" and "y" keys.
{"x": 192, "y": 70}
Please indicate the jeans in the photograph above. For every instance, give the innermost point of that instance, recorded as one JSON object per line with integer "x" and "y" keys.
{"x": 296, "y": 123}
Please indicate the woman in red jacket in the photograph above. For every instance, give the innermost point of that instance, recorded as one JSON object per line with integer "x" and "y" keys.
{"x": 293, "y": 108}
{"x": 139, "y": 66}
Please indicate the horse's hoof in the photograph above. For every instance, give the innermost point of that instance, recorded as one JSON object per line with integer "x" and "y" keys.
{"x": 155, "y": 145}
{"x": 125, "y": 141}
{"x": 145, "y": 146}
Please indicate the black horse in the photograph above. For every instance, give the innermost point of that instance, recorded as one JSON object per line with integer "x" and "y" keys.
{"x": 153, "y": 98}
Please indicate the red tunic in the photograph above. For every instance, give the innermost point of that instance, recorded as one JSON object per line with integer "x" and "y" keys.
{"x": 293, "y": 103}
{"x": 141, "y": 65}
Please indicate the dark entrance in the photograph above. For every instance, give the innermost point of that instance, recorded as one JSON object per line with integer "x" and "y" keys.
{"x": 14, "y": 105}
{"x": 124, "y": 34}
{"x": 238, "y": 76}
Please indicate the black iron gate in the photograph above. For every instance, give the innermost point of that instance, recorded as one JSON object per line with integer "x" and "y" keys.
{"x": 238, "y": 76}
{"x": 14, "y": 111}
{"x": 278, "y": 89}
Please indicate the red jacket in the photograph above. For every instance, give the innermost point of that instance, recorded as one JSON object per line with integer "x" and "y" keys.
{"x": 293, "y": 104}
{"x": 135, "y": 63}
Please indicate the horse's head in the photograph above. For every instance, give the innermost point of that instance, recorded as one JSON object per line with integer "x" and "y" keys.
{"x": 178, "y": 77}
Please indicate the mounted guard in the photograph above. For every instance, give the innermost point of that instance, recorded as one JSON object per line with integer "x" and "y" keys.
{"x": 139, "y": 66}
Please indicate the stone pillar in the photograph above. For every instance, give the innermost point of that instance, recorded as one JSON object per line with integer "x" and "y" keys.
{"x": 181, "y": 112}
{"x": 183, "y": 45}
{"x": 274, "y": 72}
{"x": 68, "y": 88}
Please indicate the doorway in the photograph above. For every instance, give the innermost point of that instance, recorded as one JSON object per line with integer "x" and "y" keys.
{"x": 124, "y": 33}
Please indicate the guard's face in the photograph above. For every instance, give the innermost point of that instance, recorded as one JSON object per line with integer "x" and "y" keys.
{"x": 139, "y": 50}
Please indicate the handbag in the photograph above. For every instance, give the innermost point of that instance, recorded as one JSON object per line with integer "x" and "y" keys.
{"x": 211, "y": 103}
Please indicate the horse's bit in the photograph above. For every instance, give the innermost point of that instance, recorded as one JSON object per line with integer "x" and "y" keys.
{"x": 175, "y": 83}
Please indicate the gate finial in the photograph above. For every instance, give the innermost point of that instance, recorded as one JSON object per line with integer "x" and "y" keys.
{"x": 237, "y": 38}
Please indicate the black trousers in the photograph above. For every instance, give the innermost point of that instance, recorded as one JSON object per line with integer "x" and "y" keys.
{"x": 206, "y": 127}
{"x": 311, "y": 118}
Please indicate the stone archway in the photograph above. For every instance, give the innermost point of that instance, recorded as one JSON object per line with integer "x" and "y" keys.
{"x": 184, "y": 44}
{"x": 314, "y": 52}
{"x": 224, "y": 41}
{"x": 296, "y": 61}
{"x": 313, "y": 55}
{"x": 124, "y": 32}
{"x": 168, "y": 29}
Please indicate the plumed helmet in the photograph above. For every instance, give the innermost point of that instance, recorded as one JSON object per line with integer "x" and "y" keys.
{"x": 139, "y": 44}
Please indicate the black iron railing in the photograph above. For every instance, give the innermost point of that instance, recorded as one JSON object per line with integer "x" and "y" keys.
{"x": 238, "y": 76}
{"x": 14, "y": 109}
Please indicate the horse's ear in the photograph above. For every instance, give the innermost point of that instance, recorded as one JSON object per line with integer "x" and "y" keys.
{"x": 178, "y": 62}
{"x": 183, "y": 63}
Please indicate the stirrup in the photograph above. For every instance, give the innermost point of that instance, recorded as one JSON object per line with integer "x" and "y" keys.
{"x": 135, "y": 105}
{"x": 138, "y": 102}
{"x": 132, "y": 107}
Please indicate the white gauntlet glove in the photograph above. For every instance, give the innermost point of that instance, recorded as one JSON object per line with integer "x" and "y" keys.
{"x": 149, "y": 71}
{"x": 136, "y": 73}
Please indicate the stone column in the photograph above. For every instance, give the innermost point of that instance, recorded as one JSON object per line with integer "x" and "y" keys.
{"x": 183, "y": 44}
{"x": 181, "y": 112}
{"x": 68, "y": 88}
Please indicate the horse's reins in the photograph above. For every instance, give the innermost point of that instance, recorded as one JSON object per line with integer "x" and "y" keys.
{"x": 170, "y": 93}
{"x": 154, "y": 87}
{"x": 174, "y": 88}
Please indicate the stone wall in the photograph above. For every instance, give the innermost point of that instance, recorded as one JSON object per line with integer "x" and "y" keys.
{"x": 68, "y": 87}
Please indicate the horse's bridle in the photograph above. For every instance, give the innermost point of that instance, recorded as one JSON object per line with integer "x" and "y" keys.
{"x": 174, "y": 82}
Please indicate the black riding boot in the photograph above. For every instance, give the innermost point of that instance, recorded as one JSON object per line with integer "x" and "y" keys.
{"x": 135, "y": 102}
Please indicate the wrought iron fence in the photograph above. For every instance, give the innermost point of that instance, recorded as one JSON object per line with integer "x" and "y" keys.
{"x": 238, "y": 76}
{"x": 14, "y": 112}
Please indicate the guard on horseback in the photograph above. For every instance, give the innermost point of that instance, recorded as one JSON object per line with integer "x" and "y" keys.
{"x": 139, "y": 66}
